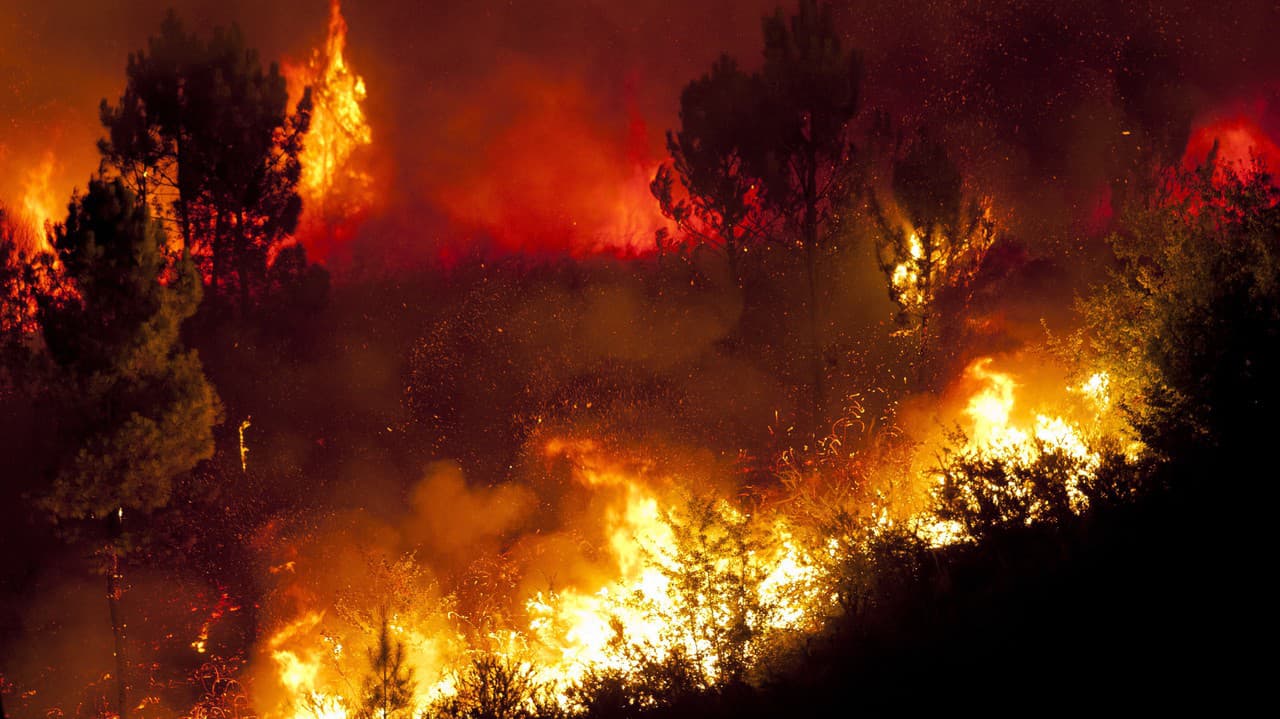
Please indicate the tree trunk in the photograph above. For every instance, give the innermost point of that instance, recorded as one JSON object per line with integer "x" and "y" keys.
{"x": 810, "y": 240}
{"x": 184, "y": 198}
{"x": 815, "y": 346}
{"x": 731, "y": 253}
{"x": 114, "y": 592}
{"x": 218, "y": 251}
{"x": 242, "y": 255}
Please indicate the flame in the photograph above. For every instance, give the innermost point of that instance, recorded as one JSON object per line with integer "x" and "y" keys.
{"x": 244, "y": 448}
{"x": 989, "y": 408}
{"x": 994, "y": 432}
{"x": 39, "y": 202}
{"x": 996, "y": 436}
{"x": 334, "y": 187}
{"x": 906, "y": 278}
{"x": 700, "y": 579}
{"x": 660, "y": 598}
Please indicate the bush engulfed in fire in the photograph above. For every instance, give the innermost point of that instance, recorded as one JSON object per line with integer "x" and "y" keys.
{"x": 657, "y": 479}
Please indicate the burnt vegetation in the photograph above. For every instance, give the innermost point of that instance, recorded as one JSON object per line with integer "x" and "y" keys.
{"x": 188, "y": 401}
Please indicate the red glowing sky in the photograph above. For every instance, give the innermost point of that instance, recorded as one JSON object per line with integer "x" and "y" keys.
{"x": 1241, "y": 139}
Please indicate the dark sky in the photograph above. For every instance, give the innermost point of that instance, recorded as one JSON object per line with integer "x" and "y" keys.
{"x": 540, "y": 119}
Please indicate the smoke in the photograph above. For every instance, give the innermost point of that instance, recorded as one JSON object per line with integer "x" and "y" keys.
{"x": 526, "y": 159}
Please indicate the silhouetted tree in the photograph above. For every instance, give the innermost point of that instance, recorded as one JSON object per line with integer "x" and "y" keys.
{"x": 388, "y": 688}
{"x": 203, "y": 128}
{"x": 709, "y": 158}
{"x": 135, "y": 409}
{"x": 804, "y": 154}
{"x": 990, "y": 493}
{"x": 651, "y": 681}
{"x": 494, "y": 686}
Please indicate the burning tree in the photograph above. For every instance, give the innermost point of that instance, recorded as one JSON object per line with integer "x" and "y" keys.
{"x": 494, "y": 686}
{"x": 931, "y": 238}
{"x": 135, "y": 407}
{"x": 22, "y": 277}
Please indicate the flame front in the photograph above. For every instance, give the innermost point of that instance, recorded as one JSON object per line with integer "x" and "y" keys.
{"x": 688, "y": 578}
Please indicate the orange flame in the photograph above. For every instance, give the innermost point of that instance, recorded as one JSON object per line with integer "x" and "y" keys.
{"x": 334, "y": 187}
{"x": 39, "y": 203}
{"x": 644, "y": 599}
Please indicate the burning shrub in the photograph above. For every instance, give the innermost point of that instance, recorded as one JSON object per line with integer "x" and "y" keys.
{"x": 654, "y": 682}
{"x": 496, "y": 686}
{"x": 1041, "y": 479}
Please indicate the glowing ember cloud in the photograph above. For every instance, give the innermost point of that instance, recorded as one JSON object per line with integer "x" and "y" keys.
{"x": 1240, "y": 140}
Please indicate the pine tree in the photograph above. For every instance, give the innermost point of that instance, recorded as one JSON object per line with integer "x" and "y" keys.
{"x": 134, "y": 407}
{"x": 709, "y": 157}
{"x": 388, "y": 688}
{"x": 805, "y": 154}
{"x": 204, "y": 132}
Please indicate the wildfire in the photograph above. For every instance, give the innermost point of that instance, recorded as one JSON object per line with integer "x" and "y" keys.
{"x": 695, "y": 580}
{"x": 334, "y": 188}
{"x": 689, "y": 578}
{"x": 671, "y": 597}
{"x": 995, "y": 438}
